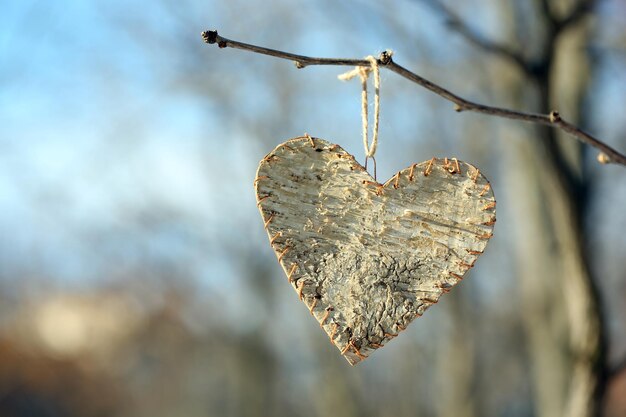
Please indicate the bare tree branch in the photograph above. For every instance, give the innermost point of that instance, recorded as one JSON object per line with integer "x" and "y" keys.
{"x": 607, "y": 155}
{"x": 487, "y": 45}
{"x": 546, "y": 10}
{"x": 579, "y": 11}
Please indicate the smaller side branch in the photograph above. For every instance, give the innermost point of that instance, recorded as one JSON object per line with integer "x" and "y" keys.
{"x": 579, "y": 11}
{"x": 487, "y": 45}
{"x": 607, "y": 155}
{"x": 547, "y": 12}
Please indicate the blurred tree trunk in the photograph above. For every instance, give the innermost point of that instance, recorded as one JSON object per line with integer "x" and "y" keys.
{"x": 587, "y": 333}
{"x": 558, "y": 290}
{"x": 457, "y": 363}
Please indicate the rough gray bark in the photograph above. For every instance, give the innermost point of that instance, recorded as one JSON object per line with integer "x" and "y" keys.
{"x": 368, "y": 258}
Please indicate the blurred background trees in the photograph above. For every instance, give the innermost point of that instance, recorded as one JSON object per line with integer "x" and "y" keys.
{"x": 135, "y": 276}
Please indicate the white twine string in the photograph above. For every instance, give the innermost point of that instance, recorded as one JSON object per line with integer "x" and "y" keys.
{"x": 363, "y": 73}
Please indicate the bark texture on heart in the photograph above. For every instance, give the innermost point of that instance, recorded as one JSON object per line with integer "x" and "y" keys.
{"x": 368, "y": 258}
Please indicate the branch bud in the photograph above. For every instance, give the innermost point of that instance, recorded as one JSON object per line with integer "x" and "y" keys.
{"x": 209, "y": 36}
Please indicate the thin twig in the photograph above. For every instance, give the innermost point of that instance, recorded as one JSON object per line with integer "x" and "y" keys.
{"x": 607, "y": 155}
{"x": 301, "y": 61}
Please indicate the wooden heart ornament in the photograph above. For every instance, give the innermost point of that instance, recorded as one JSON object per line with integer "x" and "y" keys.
{"x": 368, "y": 258}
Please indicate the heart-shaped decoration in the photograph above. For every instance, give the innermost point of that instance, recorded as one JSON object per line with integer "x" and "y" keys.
{"x": 368, "y": 258}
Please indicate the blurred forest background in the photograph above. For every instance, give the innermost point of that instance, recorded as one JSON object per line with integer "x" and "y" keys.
{"x": 135, "y": 274}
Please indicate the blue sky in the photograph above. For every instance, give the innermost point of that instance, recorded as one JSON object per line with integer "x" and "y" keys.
{"x": 119, "y": 142}
{"x": 93, "y": 132}
{"x": 128, "y": 150}
{"x": 128, "y": 147}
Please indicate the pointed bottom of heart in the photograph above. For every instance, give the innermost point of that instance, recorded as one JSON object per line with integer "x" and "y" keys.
{"x": 368, "y": 258}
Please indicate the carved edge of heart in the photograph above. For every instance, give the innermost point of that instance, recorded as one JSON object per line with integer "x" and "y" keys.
{"x": 290, "y": 178}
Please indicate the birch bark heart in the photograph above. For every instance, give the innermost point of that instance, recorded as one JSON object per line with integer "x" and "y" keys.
{"x": 368, "y": 258}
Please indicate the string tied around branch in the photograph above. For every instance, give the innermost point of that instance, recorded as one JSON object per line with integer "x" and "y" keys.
{"x": 363, "y": 73}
